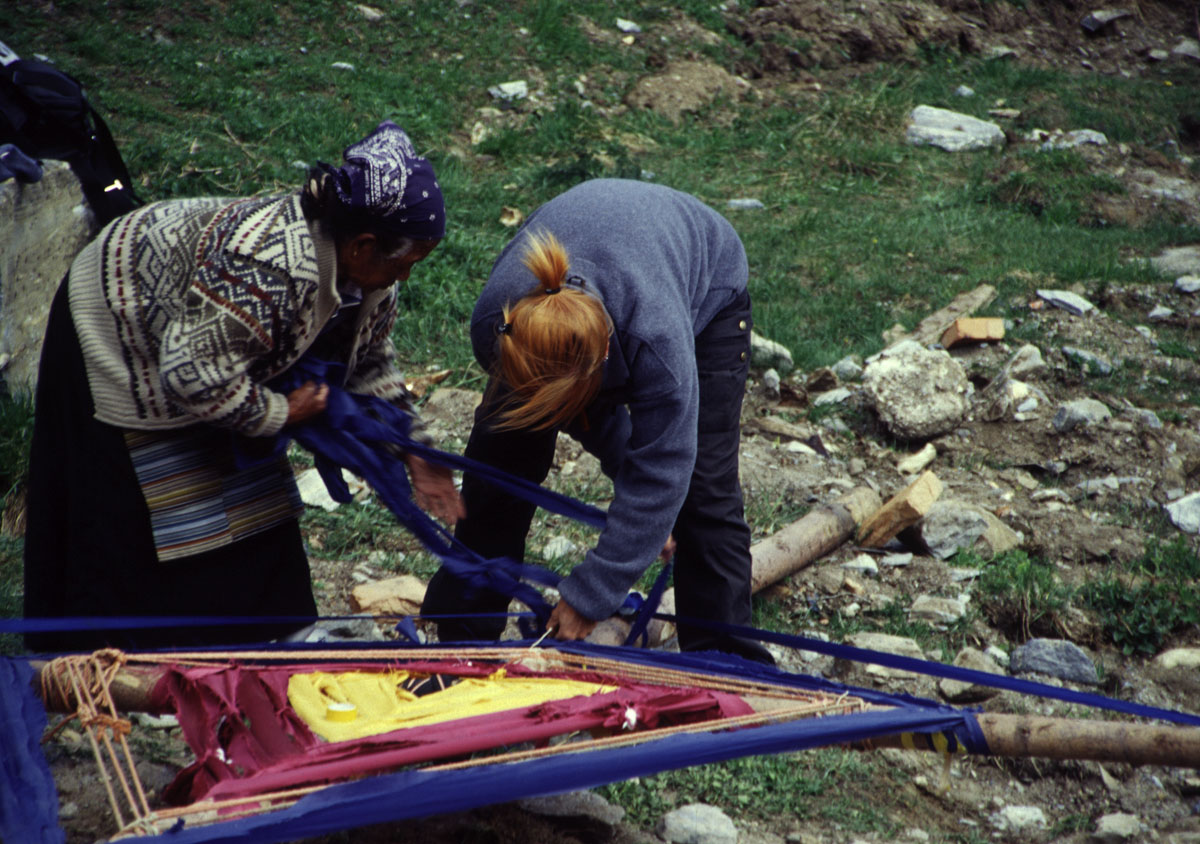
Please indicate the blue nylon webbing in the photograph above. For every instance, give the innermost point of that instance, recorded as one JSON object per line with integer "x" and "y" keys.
{"x": 953, "y": 672}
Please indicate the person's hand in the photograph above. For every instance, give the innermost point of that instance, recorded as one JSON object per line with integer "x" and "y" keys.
{"x": 668, "y": 549}
{"x": 306, "y": 401}
{"x": 433, "y": 489}
{"x": 566, "y": 624}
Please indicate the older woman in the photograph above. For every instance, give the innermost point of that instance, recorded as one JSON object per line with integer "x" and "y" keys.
{"x": 156, "y": 383}
{"x": 620, "y": 314}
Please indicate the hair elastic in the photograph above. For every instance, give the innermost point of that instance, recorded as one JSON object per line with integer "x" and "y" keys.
{"x": 550, "y": 291}
{"x": 504, "y": 328}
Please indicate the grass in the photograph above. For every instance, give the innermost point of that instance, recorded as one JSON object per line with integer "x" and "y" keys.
{"x": 859, "y": 231}
{"x": 819, "y": 784}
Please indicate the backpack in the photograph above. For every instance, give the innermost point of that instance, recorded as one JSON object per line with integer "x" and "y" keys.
{"x": 45, "y": 114}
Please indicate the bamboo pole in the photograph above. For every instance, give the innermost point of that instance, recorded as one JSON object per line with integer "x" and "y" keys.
{"x": 1035, "y": 736}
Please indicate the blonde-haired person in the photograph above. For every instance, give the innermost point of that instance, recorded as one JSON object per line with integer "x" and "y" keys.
{"x": 620, "y": 315}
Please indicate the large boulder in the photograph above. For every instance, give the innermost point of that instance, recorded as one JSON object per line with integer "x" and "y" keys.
{"x": 42, "y": 228}
{"x": 919, "y": 393}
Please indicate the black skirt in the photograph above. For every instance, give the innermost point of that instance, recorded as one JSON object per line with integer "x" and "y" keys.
{"x": 89, "y": 550}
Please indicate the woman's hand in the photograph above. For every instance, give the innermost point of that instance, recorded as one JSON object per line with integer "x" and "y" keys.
{"x": 433, "y": 489}
{"x": 306, "y": 401}
{"x": 668, "y": 549}
{"x": 567, "y": 624}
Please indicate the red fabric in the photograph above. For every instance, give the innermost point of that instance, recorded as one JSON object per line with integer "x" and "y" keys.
{"x": 248, "y": 740}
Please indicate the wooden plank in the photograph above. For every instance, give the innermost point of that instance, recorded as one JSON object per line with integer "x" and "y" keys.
{"x": 902, "y": 510}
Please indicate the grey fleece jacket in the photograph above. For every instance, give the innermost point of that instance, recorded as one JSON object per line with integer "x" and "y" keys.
{"x": 664, "y": 264}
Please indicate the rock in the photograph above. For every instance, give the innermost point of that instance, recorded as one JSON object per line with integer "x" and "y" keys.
{"x": 767, "y": 354}
{"x": 914, "y": 463}
{"x": 558, "y": 547}
{"x": 745, "y": 204}
{"x": 1188, "y": 284}
{"x": 848, "y": 368}
{"x": 1020, "y": 819}
{"x": 862, "y": 564}
{"x": 964, "y": 91}
{"x": 1056, "y": 658}
{"x": 918, "y": 393}
{"x": 959, "y": 692}
{"x": 998, "y": 654}
{"x": 886, "y": 643}
{"x": 1027, "y": 360}
{"x": 697, "y": 823}
{"x": 1091, "y": 364}
{"x": 1159, "y": 313}
{"x": 1067, "y": 300}
{"x": 1078, "y": 137}
{"x": 369, "y": 13}
{"x": 1182, "y": 658}
{"x": 832, "y": 397}
{"x": 1084, "y": 412}
{"x": 401, "y": 595}
{"x": 1188, "y": 48}
{"x": 314, "y": 492}
{"x": 771, "y": 384}
{"x": 586, "y": 804}
{"x": 43, "y": 226}
{"x": 1099, "y": 19}
{"x": 628, "y": 26}
{"x": 899, "y": 560}
{"x": 936, "y": 610}
{"x": 951, "y": 525}
{"x": 1178, "y": 260}
{"x": 952, "y": 131}
{"x": 1116, "y": 828}
{"x": 1185, "y": 513}
{"x": 342, "y": 66}
{"x": 518, "y": 89}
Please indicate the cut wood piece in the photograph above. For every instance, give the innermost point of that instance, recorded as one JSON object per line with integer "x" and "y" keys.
{"x": 811, "y": 537}
{"x": 973, "y": 330}
{"x": 930, "y": 329}
{"x": 903, "y": 510}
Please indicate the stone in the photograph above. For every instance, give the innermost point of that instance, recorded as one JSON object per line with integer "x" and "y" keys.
{"x": 1188, "y": 284}
{"x": 574, "y": 804}
{"x": 952, "y": 131}
{"x": 1089, "y": 363}
{"x": 558, "y": 547}
{"x": 401, "y": 595}
{"x": 918, "y": 393}
{"x": 767, "y": 354}
{"x": 1056, "y": 658}
{"x": 1027, "y": 360}
{"x": 960, "y": 692}
{"x": 914, "y": 463}
{"x": 1116, "y": 828}
{"x": 936, "y": 610}
{"x": 1019, "y": 819}
{"x": 885, "y": 643}
{"x": 1188, "y": 48}
{"x": 848, "y": 368}
{"x": 1067, "y": 300}
{"x": 1078, "y": 137}
{"x": 1178, "y": 260}
{"x": 747, "y": 204}
{"x": 1185, "y": 513}
{"x": 697, "y": 823}
{"x": 1083, "y": 412}
{"x": 950, "y": 526}
{"x": 43, "y": 226}
{"x": 517, "y": 89}
{"x": 1179, "y": 658}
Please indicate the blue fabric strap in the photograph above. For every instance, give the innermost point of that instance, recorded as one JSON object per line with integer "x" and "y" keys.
{"x": 28, "y": 796}
{"x": 939, "y": 669}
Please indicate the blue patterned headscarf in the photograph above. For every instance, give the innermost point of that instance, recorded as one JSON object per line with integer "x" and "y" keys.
{"x": 383, "y": 176}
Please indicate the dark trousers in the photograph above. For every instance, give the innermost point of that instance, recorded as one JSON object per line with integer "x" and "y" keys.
{"x": 712, "y": 562}
{"x": 89, "y": 550}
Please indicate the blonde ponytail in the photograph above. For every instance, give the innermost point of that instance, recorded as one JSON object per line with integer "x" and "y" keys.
{"x": 553, "y": 343}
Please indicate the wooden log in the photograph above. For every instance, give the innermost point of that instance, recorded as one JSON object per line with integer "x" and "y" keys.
{"x": 1034, "y": 736}
{"x": 782, "y": 553}
{"x": 809, "y": 538}
{"x": 904, "y": 509}
{"x": 131, "y": 688}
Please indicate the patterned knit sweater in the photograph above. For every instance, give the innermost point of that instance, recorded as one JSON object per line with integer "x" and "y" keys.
{"x": 186, "y": 308}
